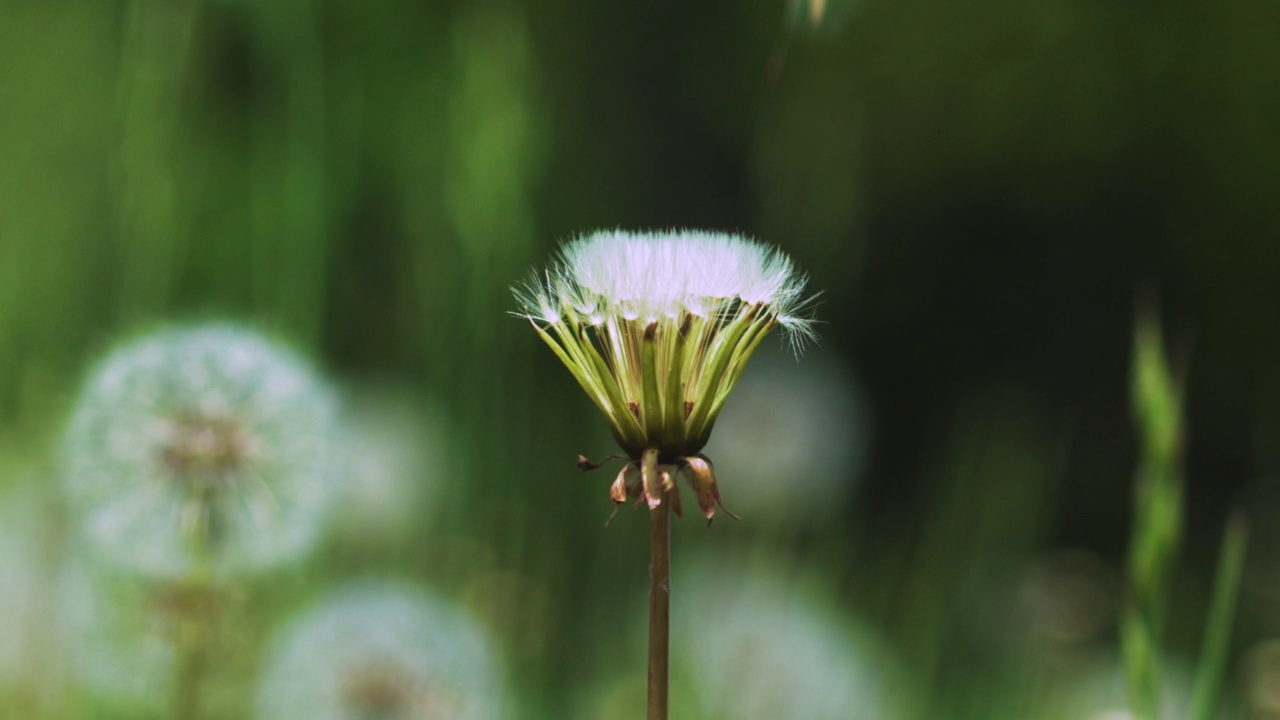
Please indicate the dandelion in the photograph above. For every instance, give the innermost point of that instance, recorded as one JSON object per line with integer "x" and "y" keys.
{"x": 774, "y": 648}
{"x": 28, "y": 665}
{"x": 200, "y": 452}
{"x": 1262, "y": 679}
{"x": 1065, "y": 602}
{"x": 19, "y": 566}
{"x": 806, "y": 423}
{"x": 381, "y": 649}
{"x": 1096, "y": 691}
{"x": 195, "y": 454}
{"x": 395, "y": 458}
{"x": 118, "y": 633}
{"x": 657, "y": 329}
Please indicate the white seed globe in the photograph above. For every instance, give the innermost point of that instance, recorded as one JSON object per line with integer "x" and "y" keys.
{"x": 117, "y": 633}
{"x": 25, "y": 548}
{"x": 657, "y": 326}
{"x": 758, "y": 645}
{"x": 395, "y": 461}
{"x": 792, "y": 440}
{"x": 381, "y": 649}
{"x": 201, "y": 451}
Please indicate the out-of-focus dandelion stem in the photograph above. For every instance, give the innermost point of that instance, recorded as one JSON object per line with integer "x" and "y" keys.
{"x": 191, "y": 662}
{"x": 659, "y": 607}
{"x": 194, "y": 605}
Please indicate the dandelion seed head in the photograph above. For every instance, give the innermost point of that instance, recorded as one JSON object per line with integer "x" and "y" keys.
{"x": 672, "y": 319}
{"x": 206, "y": 447}
{"x": 655, "y": 275}
{"x": 1095, "y": 690}
{"x": 381, "y": 647}
{"x": 750, "y": 641}
{"x": 23, "y": 590}
{"x": 792, "y": 440}
{"x": 395, "y": 460}
{"x": 116, "y": 633}
{"x": 772, "y": 648}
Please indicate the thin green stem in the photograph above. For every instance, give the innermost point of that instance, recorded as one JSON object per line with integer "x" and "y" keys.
{"x": 191, "y": 657}
{"x": 194, "y": 603}
{"x": 659, "y": 607}
{"x": 189, "y": 683}
{"x": 1217, "y": 634}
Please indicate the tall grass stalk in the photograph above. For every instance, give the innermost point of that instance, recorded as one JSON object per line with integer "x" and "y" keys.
{"x": 1207, "y": 691}
{"x": 1157, "y": 522}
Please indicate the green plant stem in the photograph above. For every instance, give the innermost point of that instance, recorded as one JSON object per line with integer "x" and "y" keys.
{"x": 195, "y": 605}
{"x": 659, "y": 607}
{"x": 191, "y": 663}
{"x": 1217, "y": 635}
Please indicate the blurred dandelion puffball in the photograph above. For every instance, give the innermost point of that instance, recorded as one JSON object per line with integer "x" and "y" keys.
{"x": 117, "y": 631}
{"x": 394, "y": 458}
{"x": 23, "y": 590}
{"x": 1096, "y": 691}
{"x": 201, "y": 450}
{"x": 657, "y": 327}
{"x": 380, "y": 649}
{"x": 769, "y": 650}
{"x": 792, "y": 439}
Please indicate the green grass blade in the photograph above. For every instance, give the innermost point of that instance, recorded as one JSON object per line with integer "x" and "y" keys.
{"x": 1217, "y": 634}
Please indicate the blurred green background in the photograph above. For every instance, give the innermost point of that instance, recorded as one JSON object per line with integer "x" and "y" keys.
{"x": 980, "y": 193}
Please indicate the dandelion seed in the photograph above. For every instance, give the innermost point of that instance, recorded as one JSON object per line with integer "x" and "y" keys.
{"x": 204, "y": 450}
{"x": 385, "y": 650}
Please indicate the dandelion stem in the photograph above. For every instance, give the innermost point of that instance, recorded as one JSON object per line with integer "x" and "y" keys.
{"x": 659, "y": 606}
{"x": 191, "y": 662}
{"x": 194, "y": 604}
